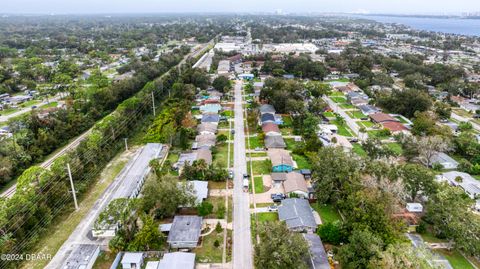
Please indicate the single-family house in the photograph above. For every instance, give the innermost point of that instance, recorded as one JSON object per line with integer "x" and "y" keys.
{"x": 184, "y": 158}
{"x": 271, "y": 129}
{"x": 204, "y": 154}
{"x": 382, "y": 117}
{"x": 207, "y": 128}
{"x": 470, "y": 185}
{"x": 223, "y": 67}
{"x": 327, "y": 129}
{"x": 177, "y": 260}
{"x": 368, "y": 109}
{"x": 132, "y": 260}
{"x": 394, "y": 127}
{"x": 357, "y": 98}
{"x": 297, "y": 214}
{"x": 295, "y": 185}
{"x": 185, "y": 232}
{"x": 205, "y": 141}
{"x": 258, "y": 86}
{"x": 342, "y": 142}
{"x": 281, "y": 160}
{"x": 211, "y": 118}
{"x": 200, "y": 190}
{"x": 274, "y": 142}
{"x": 443, "y": 159}
{"x": 267, "y": 117}
{"x": 210, "y": 108}
{"x": 278, "y": 178}
{"x": 414, "y": 207}
{"x": 266, "y": 108}
{"x": 318, "y": 255}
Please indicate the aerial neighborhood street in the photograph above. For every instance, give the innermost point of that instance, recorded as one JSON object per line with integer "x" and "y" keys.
{"x": 239, "y": 141}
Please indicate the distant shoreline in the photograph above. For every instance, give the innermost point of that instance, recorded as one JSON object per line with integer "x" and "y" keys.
{"x": 422, "y": 16}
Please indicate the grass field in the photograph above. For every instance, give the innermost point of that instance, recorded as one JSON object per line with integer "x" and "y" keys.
{"x": 255, "y": 142}
{"x": 456, "y": 259}
{"x": 338, "y": 99}
{"x": 377, "y": 134}
{"x": 347, "y": 106}
{"x": 396, "y": 147}
{"x": 356, "y": 114}
{"x": 302, "y": 161}
{"x": 66, "y": 223}
{"x": 327, "y": 212}
{"x": 357, "y": 148}
{"x": 329, "y": 114}
{"x": 267, "y": 216}
{"x": 207, "y": 252}
{"x": 366, "y": 124}
{"x": 336, "y": 93}
{"x": 258, "y": 184}
{"x": 261, "y": 167}
{"x": 291, "y": 143}
{"x": 342, "y": 129}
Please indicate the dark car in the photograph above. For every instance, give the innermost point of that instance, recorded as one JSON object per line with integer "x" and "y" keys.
{"x": 278, "y": 197}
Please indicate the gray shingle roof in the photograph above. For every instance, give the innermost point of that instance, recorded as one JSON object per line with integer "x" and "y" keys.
{"x": 318, "y": 255}
{"x": 185, "y": 229}
{"x": 177, "y": 260}
{"x": 267, "y": 117}
{"x": 296, "y": 213}
{"x": 274, "y": 141}
{"x": 267, "y": 109}
{"x": 210, "y": 118}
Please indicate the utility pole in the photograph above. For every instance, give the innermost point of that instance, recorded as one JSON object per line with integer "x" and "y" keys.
{"x": 153, "y": 104}
{"x": 73, "y": 187}
{"x": 126, "y": 144}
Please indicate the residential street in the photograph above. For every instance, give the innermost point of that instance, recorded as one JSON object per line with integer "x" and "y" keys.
{"x": 28, "y": 109}
{"x": 242, "y": 239}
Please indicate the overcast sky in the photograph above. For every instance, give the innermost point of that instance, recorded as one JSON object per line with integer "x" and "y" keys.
{"x": 156, "y": 6}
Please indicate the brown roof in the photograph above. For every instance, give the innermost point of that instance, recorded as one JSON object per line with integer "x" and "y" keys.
{"x": 279, "y": 176}
{"x": 295, "y": 182}
{"x": 204, "y": 154}
{"x": 394, "y": 126}
{"x": 279, "y": 157}
{"x": 382, "y": 117}
{"x": 270, "y": 127}
{"x": 206, "y": 140}
{"x": 207, "y": 127}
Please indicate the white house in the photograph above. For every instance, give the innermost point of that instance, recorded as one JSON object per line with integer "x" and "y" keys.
{"x": 132, "y": 260}
{"x": 470, "y": 185}
{"x": 414, "y": 207}
{"x": 443, "y": 159}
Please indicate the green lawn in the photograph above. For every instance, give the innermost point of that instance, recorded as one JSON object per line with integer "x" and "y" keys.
{"x": 261, "y": 167}
{"x": 217, "y": 202}
{"x": 377, "y": 134}
{"x": 221, "y": 155}
{"x": 258, "y": 184}
{"x": 347, "y": 106}
{"x": 357, "y": 148}
{"x": 456, "y": 259}
{"x": 327, "y": 212}
{"x": 396, "y": 147}
{"x": 257, "y": 154}
{"x": 287, "y": 121}
{"x": 30, "y": 103}
{"x": 338, "y": 99}
{"x": 401, "y": 119}
{"x": 52, "y": 104}
{"x": 342, "y": 129}
{"x": 329, "y": 114}
{"x": 207, "y": 252}
{"x": 8, "y": 111}
{"x": 366, "y": 124}
{"x": 336, "y": 93}
{"x": 227, "y": 113}
{"x": 356, "y": 114}
{"x": 255, "y": 142}
{"x": 302, "y": 161}
{"x": 267, "y": 216}
{"x": 291, "y": 143}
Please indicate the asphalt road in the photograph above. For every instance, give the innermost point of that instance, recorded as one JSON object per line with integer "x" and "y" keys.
{"x": 242, "y": 238}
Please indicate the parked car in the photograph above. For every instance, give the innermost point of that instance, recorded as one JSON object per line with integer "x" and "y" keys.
{"x": 232, "y": 132}
{"x": 230, "y": 174}
{"x": 278, "y": 197}
{"x": 476, "y": 116}
{"x": 272, "y": 208}
{"x": 246, "y": 176}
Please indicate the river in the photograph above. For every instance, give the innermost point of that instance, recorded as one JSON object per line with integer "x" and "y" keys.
{"x": 470, "y": 27}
